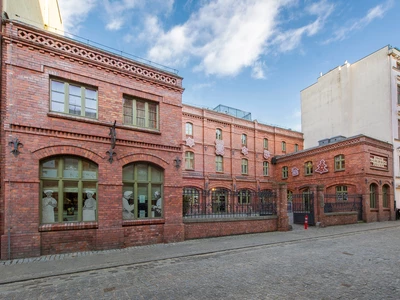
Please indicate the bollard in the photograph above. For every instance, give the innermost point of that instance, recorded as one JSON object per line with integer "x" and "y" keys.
{"x": 306, "y": 222}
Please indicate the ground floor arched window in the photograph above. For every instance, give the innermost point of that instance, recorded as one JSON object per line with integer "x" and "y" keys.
{"x": 372, "y": 195}
{"x": 385, "y": 196}
{"x": 142, "y": 191}
{"x": 68, "y": 187}
{"x": 219, "y": 199}
{"x": 191, "y": 201}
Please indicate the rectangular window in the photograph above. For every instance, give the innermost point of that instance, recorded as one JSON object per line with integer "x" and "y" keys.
{"x": 339, "y": 162}
{"x": 73, "y": 99}
{"x": 189, "y": 160}
{"x": 244, "y": 140}
{"x": 265, "y": 168}
{"x": 341, "y": 193}
{"x": 244, "y": 166}
{"x": 219, "y": 165}
{"x": 398, "y": 94}
{"x": 285, "y": 172}
{"x": 296, "y": 147}
{"x": 398, "y": 129}
{"x": 385, "y": 196}
{"x": 266, "y": 144}
{"x": 283, "y": 146}
{"x": 308, "y": 168}
{"x": 140, "y": 113}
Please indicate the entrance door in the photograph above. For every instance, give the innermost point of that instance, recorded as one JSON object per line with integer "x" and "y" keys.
{"x": 302, "y": 206}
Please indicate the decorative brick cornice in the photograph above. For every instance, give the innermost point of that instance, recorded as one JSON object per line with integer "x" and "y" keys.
{"x": 361, "y": 139}
{"x": 87, "y": 137}
{"x": 42, "y": 40}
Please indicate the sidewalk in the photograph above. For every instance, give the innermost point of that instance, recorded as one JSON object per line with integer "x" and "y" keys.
{"x": 62, "y": 264}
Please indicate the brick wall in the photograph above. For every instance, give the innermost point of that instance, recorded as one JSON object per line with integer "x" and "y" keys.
{"x": 29, "y": 64}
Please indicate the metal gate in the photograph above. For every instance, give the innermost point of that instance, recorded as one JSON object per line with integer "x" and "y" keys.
{"x": 302, "y": 205}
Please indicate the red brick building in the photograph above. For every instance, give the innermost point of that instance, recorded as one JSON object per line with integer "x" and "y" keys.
{"x": 60, "y": 101}
{"x": 339, "y": 171}
{"x": 98, "y": 152}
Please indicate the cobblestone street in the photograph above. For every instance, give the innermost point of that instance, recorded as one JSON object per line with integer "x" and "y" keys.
{"x": 346, "y": 265}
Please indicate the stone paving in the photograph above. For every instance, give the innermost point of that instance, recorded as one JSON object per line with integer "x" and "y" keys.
{"x": 341, "y": 262}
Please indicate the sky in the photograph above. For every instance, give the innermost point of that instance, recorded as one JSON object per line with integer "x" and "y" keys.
{"x": 253, "y": 55}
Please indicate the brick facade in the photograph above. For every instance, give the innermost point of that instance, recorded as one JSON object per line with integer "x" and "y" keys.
{"x": 31, "y": 58}
{"x": 357, "y": 174}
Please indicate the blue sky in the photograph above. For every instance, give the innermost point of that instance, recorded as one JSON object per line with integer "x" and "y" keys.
{"x": 254, "y": 55}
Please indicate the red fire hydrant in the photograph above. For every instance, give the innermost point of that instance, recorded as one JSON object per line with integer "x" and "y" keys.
{"x": 306, "y": 222}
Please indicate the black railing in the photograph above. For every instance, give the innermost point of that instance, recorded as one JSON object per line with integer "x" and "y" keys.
{"x": 342, "y": 203}
{"x": 224, "y": 204}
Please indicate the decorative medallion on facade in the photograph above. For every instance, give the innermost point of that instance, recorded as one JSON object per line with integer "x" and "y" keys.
{"x": 295, "y": 171}
{"x": 219, "y": 147}
{"x": 322, "y": 167}
{"x": 267, "y": 154}
{"x": 190, "y": 142}
{"x": 245, "y": 151}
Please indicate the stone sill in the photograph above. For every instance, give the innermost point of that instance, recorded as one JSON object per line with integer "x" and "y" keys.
{"x": 68, "y": 226}
{"x": 142, "y": 222}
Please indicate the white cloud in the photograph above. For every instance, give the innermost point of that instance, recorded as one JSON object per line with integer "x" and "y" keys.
{"x": 290, "y": 39}
{"x": 74, "y": 12}
{"x": 200, "y": 86}
{"x": 374, "y": 13}
{"x": 119, "y": 12}
{"x": 229, "y": 35}
{"x": 258, "y": 70}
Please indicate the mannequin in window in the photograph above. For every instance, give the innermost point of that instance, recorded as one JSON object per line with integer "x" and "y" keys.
{"x": 128, "y": 206}
{"x": 157, "y": 207}
{"x": 48, "y": 205}
{"x": 89, "y": 209}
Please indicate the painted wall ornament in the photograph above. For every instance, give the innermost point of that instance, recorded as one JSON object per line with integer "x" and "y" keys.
{"x": 322, "y": 167}
{"x": 245, "y": 151}
{"x": 190, "y": 142}
{"x": 15, "y": 144}
{"x": 295, "y": 171}
{"x": 266, "y": 154}
{"x": 219, "y": 147}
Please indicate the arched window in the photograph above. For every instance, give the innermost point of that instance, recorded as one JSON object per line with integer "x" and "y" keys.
{"x": 244, "y": 197}
{"x": 189, "y": 129}
{"x": 308, "y": 168}
{"x": 191, "y": 200}
{"x": 244, "y": 139}
{"x": 219, "y": 197}
{"x": 339, "y": 162}
{"x": 142, "y": 191}
{"x": 372, "y": 195}
{"x": 218, "y": 134}
{"x": 385, "y": 196}
{"x": 219, "y": 163}
{"x": 189, "y": 160}
{"x": 283, "y": 146}
{"x": 341, "y": 192}
{"x": 266, "y": 144}
{"x": 69, "y": 189}
{"x": 265, "y": 168}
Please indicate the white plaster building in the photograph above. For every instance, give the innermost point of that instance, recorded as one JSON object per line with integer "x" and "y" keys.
{"x": 358, "y": 98}
{"x": 44, "y": 14}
